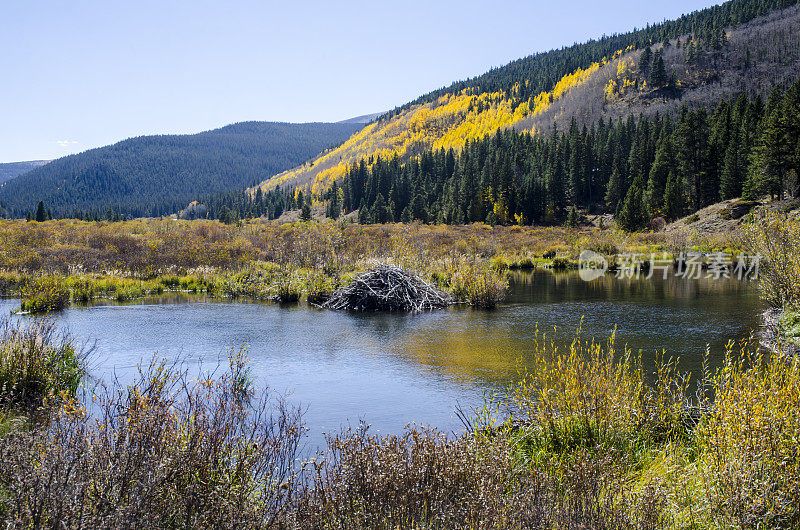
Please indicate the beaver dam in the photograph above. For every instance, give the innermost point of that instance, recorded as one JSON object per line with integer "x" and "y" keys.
{"x": 388, "y": 288}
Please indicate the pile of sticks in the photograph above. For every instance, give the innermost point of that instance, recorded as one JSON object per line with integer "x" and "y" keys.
{"x": 388, "y": 288}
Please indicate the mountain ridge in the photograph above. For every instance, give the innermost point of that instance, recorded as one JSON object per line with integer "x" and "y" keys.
{"x": 11, "y": 170}
{"x": 160, "y": 174}
{"x": 364, "y": 118}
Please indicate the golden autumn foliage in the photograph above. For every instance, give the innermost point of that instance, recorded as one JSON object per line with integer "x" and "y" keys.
{"x": 623, "y": 81}
{"x": 449, "y": 122}
{"x": 750, "y": 441}
{"x": 722, "y": 456}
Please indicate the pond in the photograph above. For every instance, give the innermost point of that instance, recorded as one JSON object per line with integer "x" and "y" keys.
{"x": 393, "y": 369}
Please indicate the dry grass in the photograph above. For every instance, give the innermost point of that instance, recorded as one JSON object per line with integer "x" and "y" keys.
{"x": 286, "y": 262}
{"x": 149, "y": 248}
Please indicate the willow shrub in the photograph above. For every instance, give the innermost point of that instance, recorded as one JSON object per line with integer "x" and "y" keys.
{"x": 474, "y": 283}
{"x": 44, "y": 294}
{"x": 424, "y": 478}
{"x": 596, "y": 398}
{"x": 776, "y": 238}
{"x": 751, "y": 441}
{"x": 37, "y": 365}
{"x": 319, "y": 286}
{"x": 164, "y": 451}
{"x": 147, "y": 248}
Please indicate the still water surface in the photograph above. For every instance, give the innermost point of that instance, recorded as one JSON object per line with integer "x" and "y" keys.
{"x": 393, "y": 369}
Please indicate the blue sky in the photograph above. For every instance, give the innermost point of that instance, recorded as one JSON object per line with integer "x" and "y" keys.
{"x": 77, "y": 74}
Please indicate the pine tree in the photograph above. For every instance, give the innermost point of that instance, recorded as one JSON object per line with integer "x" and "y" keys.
{"x": 379, "y": 210}
{"x": 418, "y": 209}
{"x": 305, "y": 212}
{"x": 691, "y": 153}
{"x": 577, "y": 165}
{"x": 644, "y": 60}
{"x": 614, "y": 190}
{"x": 674, "y": 204}
{"x": 751, "y": 190}
{"x": 335, "y": 203}
{"x": 390, "y": 208}
{"x": 658, "y": 77}
{"x": 633, "y": 215}
{"x": 41, "y": 212}
{"x": 572, "y": 218}
{"x": 556, "y": 193}
{"x": 225, "y": 215}
{"x": 657, "y": 180}
{"x": 364, "y": 215}
{"x": 732, "y": 176}
{"x": 692, "y": 54}
{"x": 770, "y": 160}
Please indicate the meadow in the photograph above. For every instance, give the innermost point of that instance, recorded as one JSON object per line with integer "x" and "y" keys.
{"x": 54, "y": 263}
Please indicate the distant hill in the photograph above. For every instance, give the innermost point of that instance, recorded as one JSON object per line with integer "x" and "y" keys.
{"x": 366, "y": 118}
{"x": 10, "y": 170}
{"x": 156, "y": 175}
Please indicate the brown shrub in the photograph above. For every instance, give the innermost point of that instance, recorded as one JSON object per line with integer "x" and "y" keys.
{"x": 425, "y": 479}
{"x": 161, "y": 452}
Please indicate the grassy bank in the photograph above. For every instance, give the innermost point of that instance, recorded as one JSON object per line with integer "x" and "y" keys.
{"x": 57, "y": 262}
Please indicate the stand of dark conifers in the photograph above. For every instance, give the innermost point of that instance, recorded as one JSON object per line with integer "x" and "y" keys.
{"x": 388, "y": 288}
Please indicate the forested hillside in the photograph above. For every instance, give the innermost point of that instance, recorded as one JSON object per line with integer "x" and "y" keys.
{"x": 448, "y": 121}
{"x": 155, "y": 175}
{"x": 704, "y": 57}
{"x": 685, "y": 72}
{"x": 10, "y": 170}
{"x": 657, "y": 122}
{"x": 540, "y": 72}
{"x": 658, "y": 132}
{"x": 639, "y": 169}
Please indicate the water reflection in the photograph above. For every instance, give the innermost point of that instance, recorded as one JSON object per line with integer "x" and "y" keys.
{"x": 392, "y": 369}
{"x": 679, "y": 317}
